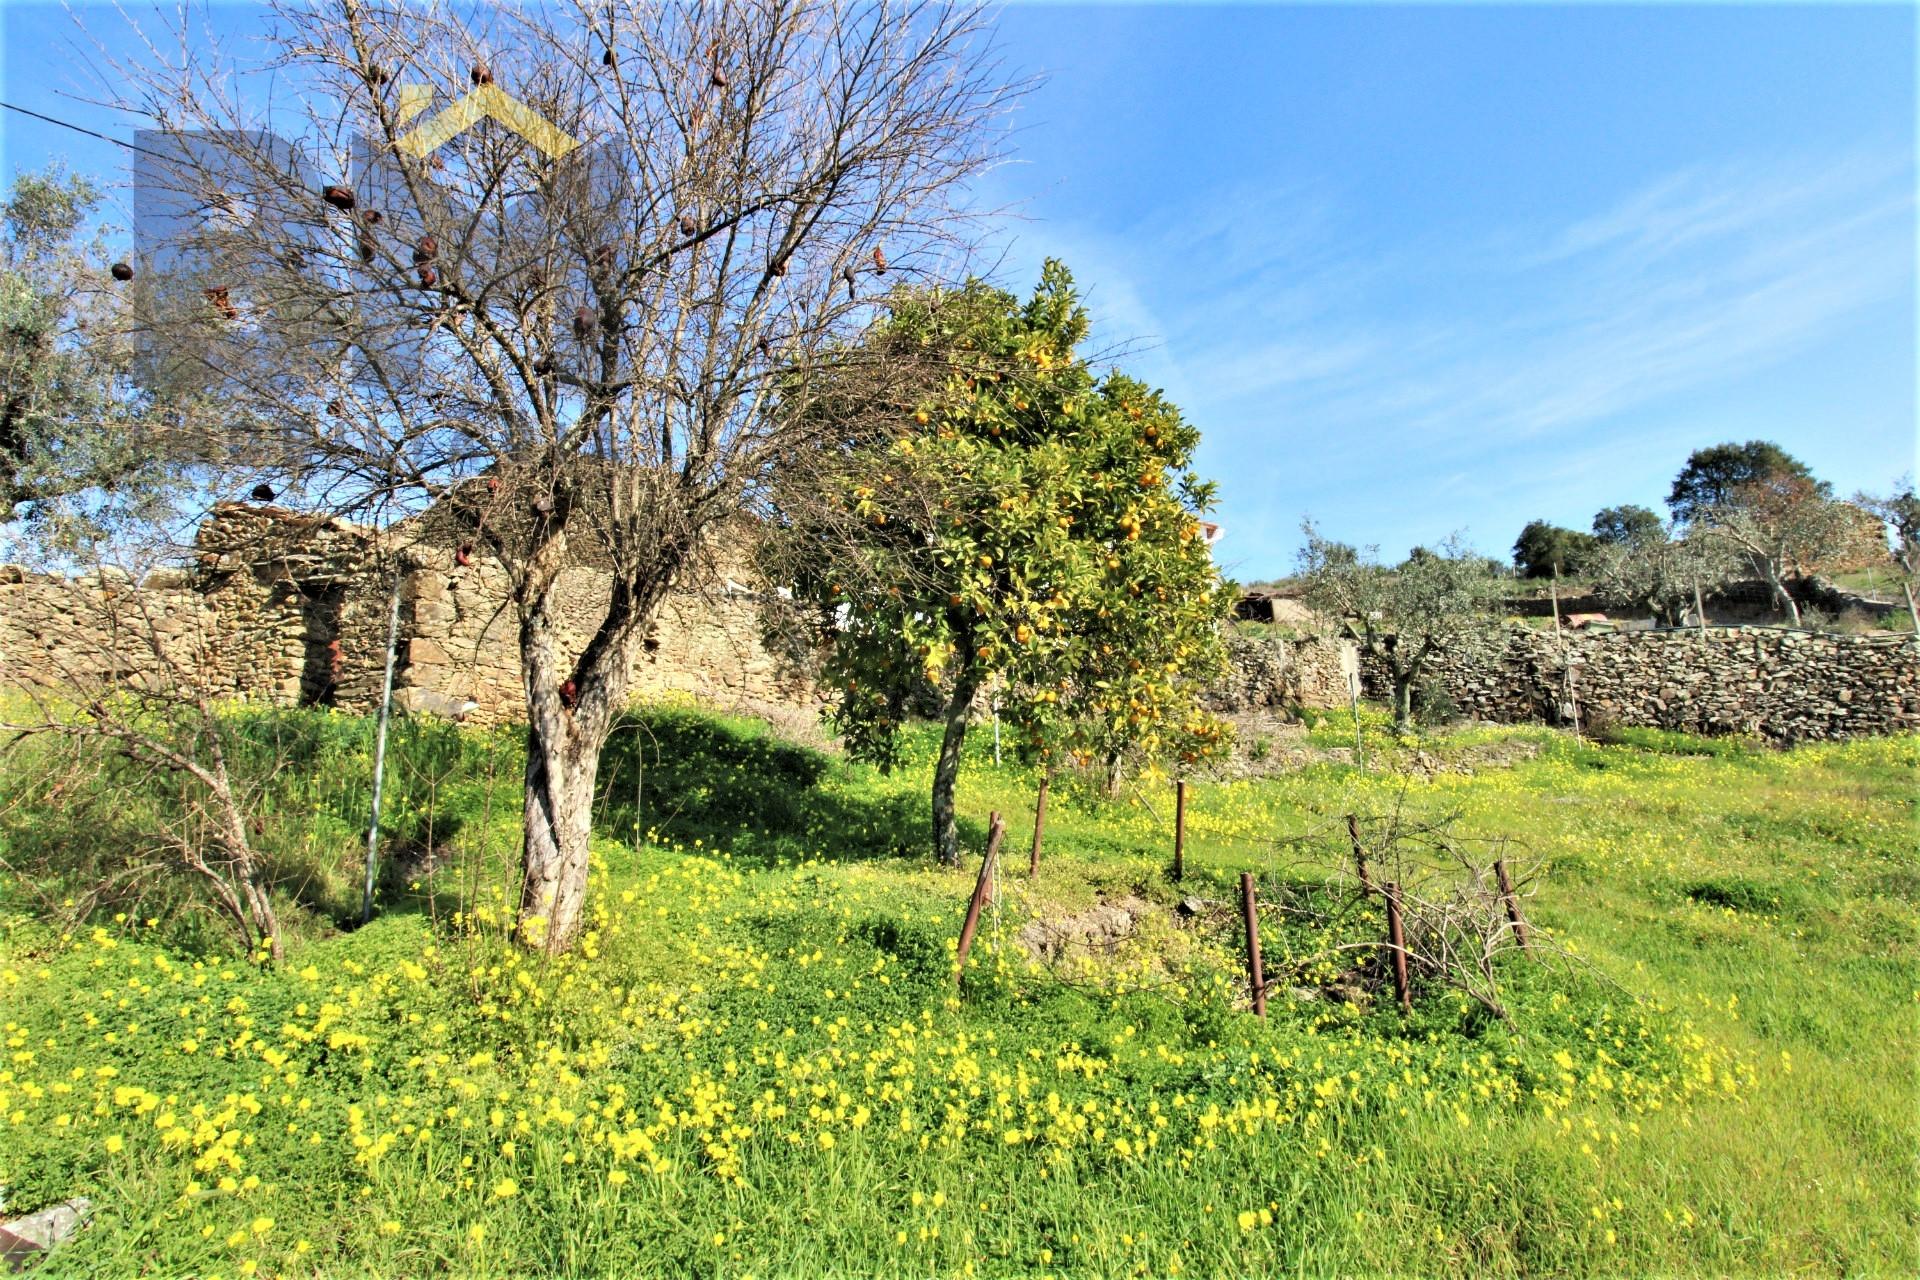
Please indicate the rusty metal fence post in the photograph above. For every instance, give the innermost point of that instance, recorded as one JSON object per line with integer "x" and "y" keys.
{"x": 1250, "y": 912}
{"x": 1397, "y": 943}
{"x": 1512, "y": 901}
{"x": 1179, "y": 830}
{"x": 1039, "y": 825}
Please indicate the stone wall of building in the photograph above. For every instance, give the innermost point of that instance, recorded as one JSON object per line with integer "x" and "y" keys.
{"x": 295, "y": 610}
{"x": 1786, "y": 685}
{"x": 1275, "y": 671}
{"x": 250, "y": 615}
{"x": 61, "y": 634}
{"x": 461, "y": 643}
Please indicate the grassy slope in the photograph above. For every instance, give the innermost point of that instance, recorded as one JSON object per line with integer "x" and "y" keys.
{"x": 770, "y": 1057}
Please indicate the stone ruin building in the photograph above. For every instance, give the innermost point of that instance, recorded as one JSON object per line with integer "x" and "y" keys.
{"x": 292, "y": 609}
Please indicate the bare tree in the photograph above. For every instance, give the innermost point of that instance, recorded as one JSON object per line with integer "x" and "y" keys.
{"x": 579, "y": 353}
{"x": 1900, "y": 512}
{"x": 1780, "y": 523}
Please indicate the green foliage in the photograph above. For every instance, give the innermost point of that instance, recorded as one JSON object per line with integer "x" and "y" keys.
{"x": 304, "y": 780}
{"x": 1673, "y": 742}
{"x": 1544, "y": 550}
{"x": 1024, "y": 521}
{"x": 1433, "y": 705}
{"x": 1627, "y": 524}
{"x": 772, "y": 1057}
{"x": 1712, "y": 477}
{"x": 673, "y": 773}
{"x": 83, "y": 450}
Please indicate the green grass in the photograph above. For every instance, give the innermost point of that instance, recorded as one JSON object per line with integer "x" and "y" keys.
{"x": 1884, "y": 583}
{"x": 758, "y": 1062}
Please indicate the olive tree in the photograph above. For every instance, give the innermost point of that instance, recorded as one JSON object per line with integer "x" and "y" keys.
{"x": 579, "y": 307}
{"x": 1404, "y": 616}
{"x": 85, "y": 448}
{"x": 1899, "y": 511}
{"x": 1661, "y": 569}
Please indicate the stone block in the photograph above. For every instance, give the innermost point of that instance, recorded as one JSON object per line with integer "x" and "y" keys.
{"x": 440, "y": 611}
{"x": 423, "y": 584}
{"x": 423, "y": 651}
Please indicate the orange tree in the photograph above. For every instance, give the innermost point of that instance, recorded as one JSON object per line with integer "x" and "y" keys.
{"x": 999, "y": 514}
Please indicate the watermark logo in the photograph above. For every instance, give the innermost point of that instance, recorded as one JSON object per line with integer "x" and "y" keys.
{"x": 239, "y": 238}
{"x": 483, "y": 102}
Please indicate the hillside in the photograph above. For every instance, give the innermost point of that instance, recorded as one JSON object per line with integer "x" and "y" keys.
{"x": 759, "y": 1059}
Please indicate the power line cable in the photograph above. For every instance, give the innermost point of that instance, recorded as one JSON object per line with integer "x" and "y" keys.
{"x": 68, "y": 124}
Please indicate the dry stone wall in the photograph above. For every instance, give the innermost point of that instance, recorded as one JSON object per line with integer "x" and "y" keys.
{"x": 1275, "y": 671}
{"x": 1787, "y": 685}
{"x": 294, "y": 610}
{"x": 291, "y": 609}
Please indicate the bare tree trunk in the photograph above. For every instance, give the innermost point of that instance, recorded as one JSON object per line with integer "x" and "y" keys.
{"x": 1403, "y": 699}
{"x": 1785, "y": 596}
{"x": 570, "y": 712}
{"x": 946, "y": 771}
{"x": 559, "y": 827}
{"x": 1913, "y": 611}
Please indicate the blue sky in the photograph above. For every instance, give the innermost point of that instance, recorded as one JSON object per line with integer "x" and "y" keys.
{"x": 1417, "y": 270}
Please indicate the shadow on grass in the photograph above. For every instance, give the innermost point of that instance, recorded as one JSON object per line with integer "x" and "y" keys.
{"x": 687, "y": 776}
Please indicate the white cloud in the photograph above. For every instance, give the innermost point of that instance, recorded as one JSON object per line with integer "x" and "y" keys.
{"x": 1313, "y": 356}
{"x": 1696, "y": 278}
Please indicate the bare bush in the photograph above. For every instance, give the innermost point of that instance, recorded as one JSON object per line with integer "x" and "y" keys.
{"x": 128, "y": 702}
{"x": 1458, "y": 919}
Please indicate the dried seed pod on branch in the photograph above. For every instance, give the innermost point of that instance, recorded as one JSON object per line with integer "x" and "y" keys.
{"x": 661, "y": 430}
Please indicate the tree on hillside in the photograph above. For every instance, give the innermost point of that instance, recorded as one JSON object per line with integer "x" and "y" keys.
{"x": 1779, "y": 524}
{"x": 1006, "y": 517}
{"x": 586, "y": 352}
{"x": 1900, "y": 512}
{"x": 1626, "y": 524}
{"x": 1712, "y": 477}
{"x": 1664, "y": 571}
{"x": 82, "y": 447}
{"x": 1544, "y": 550}
{"x": 1404, "y": 616}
